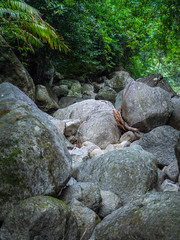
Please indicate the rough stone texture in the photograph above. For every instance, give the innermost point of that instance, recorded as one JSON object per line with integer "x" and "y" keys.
{"x": 67, "y": 101}
{"x": 88, "y": 90}
{"x": 161, "y": 142}
{"x": 33, "y": 156}
{"x": 118, "y": 101}
{"x": 71, "y": 127}
{"x": 174, "y": 120}
{"x": 153, "y": 217}
{"x": 145, "y": 107}
{"x": 110, "y": 202}
{"x": 126, "y": 172}
{"x": 169, "y": 186}
{"x": 44, "y": 100}
{"x": 75, "y": 90}
{"x": 161, "y": 177}
{"x": 172, "y": 171}
{"x": 61, "y": 91}
{"x": 100, "y": 128}
{"x": 107, "y": 93}
{"x": 122, "y": 144}
{"x": 177, "y": 152}
{"x": 118, "y": 80}
{"x": 96, "y": 152}
{"x": 157, "y": 80}
{"x": 89, "y": 146}
{"x": 59, "y": 124}
{"x": 85, "y": 192}
{"x": 130, "y": 136}
{"x": 83, "y": 110}
{"x": 13, "y": 71}
{"x": 40, "y": 218}
{"x": 86, "y": 219}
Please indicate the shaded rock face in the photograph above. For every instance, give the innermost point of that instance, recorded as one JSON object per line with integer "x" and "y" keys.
{"x": 161, "y": 143}
{"x": 40, "y": 218}
{"x": 144, "y": 107}
{"x": 44, "y": 100}
{"x": 119, "y": 80}
{"x": 33, "y": 157}
{"x": 86, "y": 219}
{"x": 107, "y": 93}
{"x": 97, "y": 121}
{"x": 155, "y": 216}
{"x": 13, "y": 71}
{"x": 126, "y": 172}
{"x": 174, "y": 120}
{"x": 157, "y": 80}
{"x": 85, "y": 192}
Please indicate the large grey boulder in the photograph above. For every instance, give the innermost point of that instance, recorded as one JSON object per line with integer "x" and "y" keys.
{"x": 100, "y": 129}
{"x": 157, "y": 80}
{"x": 118, "y": 80}
{"x": 154, "y": 216}
{"x": 12, "y": 70}
{"x": 118, "y": 101}
{"x": 174, "y": 120}
{"x": 83, "y": 110}
{"x": 40, "y": 218}
{"x": 85, "y": 192}
{"x": 97, "y": 121}
{"x": 127, "y": 172}
{"x": 86, "y": 219}
{"x": 34, "y": 159}
{"x": 145, "y": 107}
{"x": 161, "y": 142}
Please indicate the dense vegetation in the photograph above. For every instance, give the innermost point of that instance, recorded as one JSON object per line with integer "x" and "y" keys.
{"x": 138, "y": 36}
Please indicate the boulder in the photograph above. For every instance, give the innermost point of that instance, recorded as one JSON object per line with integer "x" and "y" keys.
{"x": 145, "y": 107}
{"x": 34, "y": 159}
{"x": 83, "y": 110}
{"x": 39, "y": 217}
{"x": 157, "y": 80}
{"x": 155, "y": 216}
{"x": 61, "y": 90}
{"x": 67, "y": 101}
{"x": 106, "y": 93}
{"x": 89, "y": 146}
{"x": 71, "y": 127}
{"x": 88, "y": 90}
{"x": 44, "y": 100}
{"x": 85, "y": 192}
{"x": 13, "y": 71}
{"x": 118, "y": 100}
{"x": 118, "y": 80}
{"x": 127, "y": 172}
{"x": 169, "y": 186}
{"x": 130, "y": 136}
{"x": 75, "y": 90}
{"x": 86, "y": 219}
{"x": 110, "y": 202}
{"x": 174, "y": 120}
{"x": 101, "y": 129}
{"x": 161, "y": 142}
{"x": 172, "y": 171}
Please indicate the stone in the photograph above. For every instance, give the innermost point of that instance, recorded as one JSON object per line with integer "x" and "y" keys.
{"x": 101, "y": 129}
{"x": 61, "y": 90}
{"x": 86, "y": 219}
{"x": 59, "y": 124}
{"x": 75, "y": 90}
{"x": 96, "y": 152}
{"x": 157, "y": 80}
{"x": 85, "y": 192}
{"x": 118, "y": 80}
{"x": 67, "y": 101}
{"x": 106, "y": 93}
{"x": 174, "y": 120}
{"x": 83, "y": 110}
{"x": 110, "y": 147}
{"x": 161, "y": 142}
{"x": 89, "y": 146}
{"x": 118, "y": 100}
{"x": 154, "y": 216}
{"x": 40, "y": 217}
{"x": 71, "y": 127}
{"x": 126, "y": 172}
{"x": 130, "y": 136}
{"x": 161, "y": 178}
{"x": 88, "y": 89}
{"x": 110, "y": 202}
{"x": 44, "y": 100}
{"x": 169, "y": 186}
{"x": 171, "y": 171}
{"x": 122, "y": 145}
{"x": 13, "y": 71}
{"x": 34, "y": 159}
{"x": 144, "y": 107}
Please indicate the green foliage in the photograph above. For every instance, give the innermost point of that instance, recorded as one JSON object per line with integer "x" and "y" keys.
{"x": 19, "y": 20}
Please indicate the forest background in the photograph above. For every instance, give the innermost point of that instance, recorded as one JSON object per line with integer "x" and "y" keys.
{"x": 140, "y": 37}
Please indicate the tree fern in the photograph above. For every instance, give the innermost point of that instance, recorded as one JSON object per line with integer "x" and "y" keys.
{"x": 22, "y": 21}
